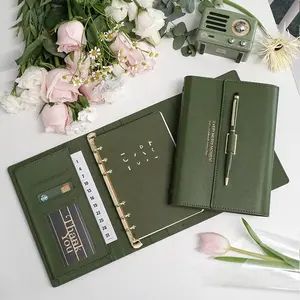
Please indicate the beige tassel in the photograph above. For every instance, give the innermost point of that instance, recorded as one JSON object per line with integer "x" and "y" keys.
{"x": 279, "y": 53}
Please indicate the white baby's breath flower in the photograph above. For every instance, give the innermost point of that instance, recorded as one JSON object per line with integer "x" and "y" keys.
{"x": 12, "y": 104}
{"x": 87, "y": 115}
{"x": 77, "y": 127}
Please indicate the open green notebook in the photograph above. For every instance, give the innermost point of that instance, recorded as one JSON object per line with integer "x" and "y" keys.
{"x": 69, "y": 193}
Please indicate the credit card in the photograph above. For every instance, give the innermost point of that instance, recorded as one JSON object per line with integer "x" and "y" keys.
{"x": 71, "y": 234}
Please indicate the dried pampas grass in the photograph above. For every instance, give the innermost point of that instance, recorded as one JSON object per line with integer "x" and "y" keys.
{"x": 279, "y": 53}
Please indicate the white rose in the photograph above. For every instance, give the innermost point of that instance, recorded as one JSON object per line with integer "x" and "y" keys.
{"x": 148, "y": 23}
{"x": 12, "y": 104}
{"x": 145, "y": 3}
{"x": 132, "y": 11}
{"x": 31, "y": 97}
{"x": 33, "y": 78}
{"x": 118, "y": 10}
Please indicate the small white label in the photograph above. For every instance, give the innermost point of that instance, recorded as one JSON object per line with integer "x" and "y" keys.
{"x": 94, "y": 198}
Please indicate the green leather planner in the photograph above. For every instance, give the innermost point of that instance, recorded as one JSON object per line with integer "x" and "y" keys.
{"x": 222, "y": 118}
{"x": 69, "y": 204}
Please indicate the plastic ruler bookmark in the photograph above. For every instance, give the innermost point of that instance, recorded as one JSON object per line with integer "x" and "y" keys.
{"x": 94, "y": 198}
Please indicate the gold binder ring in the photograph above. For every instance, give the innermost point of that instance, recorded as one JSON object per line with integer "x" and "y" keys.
{"x": 107, "y": 172}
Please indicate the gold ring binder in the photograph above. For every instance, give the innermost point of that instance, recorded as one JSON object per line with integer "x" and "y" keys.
{"x": 135, "y": 243}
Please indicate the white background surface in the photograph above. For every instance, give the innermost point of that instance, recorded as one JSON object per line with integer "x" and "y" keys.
{"x": 172, "y": 268}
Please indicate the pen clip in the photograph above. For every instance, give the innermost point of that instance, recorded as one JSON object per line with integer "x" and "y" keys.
{"x": 231, "y": 143}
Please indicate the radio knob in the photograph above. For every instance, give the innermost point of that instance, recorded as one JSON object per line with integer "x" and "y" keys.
{"x": 243, "y": 43}
{"x": 231, "y": 41}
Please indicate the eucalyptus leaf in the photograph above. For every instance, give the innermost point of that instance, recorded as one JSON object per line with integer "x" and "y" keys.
{"x": 204, "y": 4}
{"x": 177, "y": 13}
{"x": 185, "y": 51}
{"x": 179, "y": 29}
{"x": 190, "y": 6}
{"x": 178, "y": 42}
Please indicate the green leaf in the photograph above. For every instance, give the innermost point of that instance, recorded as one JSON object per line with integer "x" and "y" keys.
{"x": 188, "y": 50}
{"x": 177, "y": 13}
{"x": 51, "y": 47}
{"x": 30, "y": 3}
{"x": 204, "y": 4}
{"x": 185, "y": 51}
{"x": 189, "y": 6}
{"x": 56, "y": 15}
{"x": 179, "y": 29}
{"x": 178, "y": 42}
{"x": 31, "y": 50}
{"x": 268, "y": 250}
{"x": 83, "y": 101}
{"x": 252, "y": 261}
{"x": 95, "y": 27}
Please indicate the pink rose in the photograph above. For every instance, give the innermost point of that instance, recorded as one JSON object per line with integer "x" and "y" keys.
{"x": 93, "y": 91}
{"x": 78, "y": 64}
{"x": 59, "y": 86}
{"x": 132, "y": 58}
{"x": 70, "y": 36}
{"x": 55, "y": 118}
{"x": 213, "y": 244}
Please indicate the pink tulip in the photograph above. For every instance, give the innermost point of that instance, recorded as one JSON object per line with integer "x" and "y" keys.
{"x": 55, "y": 118}
{"x": 213, "y": 244}
{"x": 70, "y": 36}
{"x": 60, "y": 89}
{"x": 78, "y": 64}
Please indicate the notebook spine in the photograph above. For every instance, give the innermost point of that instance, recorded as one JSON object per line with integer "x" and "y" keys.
{"x": 119, "y": 205}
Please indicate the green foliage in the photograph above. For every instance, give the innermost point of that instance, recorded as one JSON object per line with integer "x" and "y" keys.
{"x": 38, "y": 21}
{"x": 175, "y": 9}
{"x": 78, "y": 106}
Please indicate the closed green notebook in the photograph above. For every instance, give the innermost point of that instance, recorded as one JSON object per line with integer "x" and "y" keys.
{"x": 56, "y": 184}
{"x": 207, "y": 115}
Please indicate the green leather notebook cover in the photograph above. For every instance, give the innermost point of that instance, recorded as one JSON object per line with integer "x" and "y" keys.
{"x": 49, "y": 183}
{"x": 136, "y": 161}
{"x": 199, "y": 169}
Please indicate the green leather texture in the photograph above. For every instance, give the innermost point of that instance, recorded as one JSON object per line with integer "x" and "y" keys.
{"x": 200, "y": 156}
{"x": 140, "y": 156}
{"x": 53, "y": 167}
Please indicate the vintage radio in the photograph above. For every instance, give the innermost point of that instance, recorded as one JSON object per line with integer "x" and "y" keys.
{"x": 226, "y": 33}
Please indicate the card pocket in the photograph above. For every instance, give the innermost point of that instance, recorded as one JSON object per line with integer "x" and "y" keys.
{"x": 69, "y": 237}
{"x": 55, "y": 177}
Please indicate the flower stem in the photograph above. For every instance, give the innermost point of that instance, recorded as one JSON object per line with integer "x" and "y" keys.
{"x": 247, "y": 12}
{"x": 253, "y": 254}
{"x": 69, "y": 10}
{"x": 56, "y": 61}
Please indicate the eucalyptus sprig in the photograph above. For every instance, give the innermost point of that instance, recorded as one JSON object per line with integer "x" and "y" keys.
{"x": 175, "y": 9}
